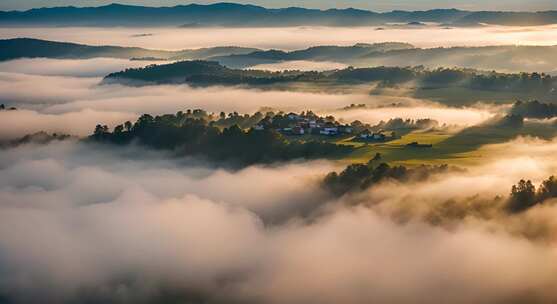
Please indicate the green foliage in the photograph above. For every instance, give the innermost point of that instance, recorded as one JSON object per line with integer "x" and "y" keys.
{"x": 212, "y": 73}
{"x": 358, "y": 177}
{"x": 534, "y": 109}
{"x": 191, "y": 134}
{"x": 524, "y": 194}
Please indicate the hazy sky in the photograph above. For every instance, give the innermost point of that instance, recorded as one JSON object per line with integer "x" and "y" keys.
{"x": 378, "y": 5}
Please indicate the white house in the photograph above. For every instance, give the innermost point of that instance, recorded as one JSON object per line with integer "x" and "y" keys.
{"x": 329, "y": 131}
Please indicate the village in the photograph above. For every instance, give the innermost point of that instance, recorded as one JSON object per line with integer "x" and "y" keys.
{"x": 308, "y": 123}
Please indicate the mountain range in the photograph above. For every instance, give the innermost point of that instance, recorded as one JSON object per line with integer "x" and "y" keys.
{"x": 500, "y": 58}
{"x": 232, "y": 14}
{"x": 35, "y": 48}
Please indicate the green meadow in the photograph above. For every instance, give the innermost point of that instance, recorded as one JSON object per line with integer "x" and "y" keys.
{"x": 462, "y": 147}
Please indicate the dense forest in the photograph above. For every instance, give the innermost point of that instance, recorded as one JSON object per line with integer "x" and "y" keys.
{"x": 534, "y": 109}
{"x": 505, "y": 58}
{"x": 190, "y": 136}
{"x": 359, "y": 177}
{"x": 212, "y": 73}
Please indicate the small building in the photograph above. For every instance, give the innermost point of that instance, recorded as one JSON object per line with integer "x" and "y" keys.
{"x": 298, "y": 131}
{"x": 372, "y": 136}
{"x": 329, "y": 131}
{"x": 378, "y": 136}
{"x": 259, "y": 127}
{"x": 365, "y": 134}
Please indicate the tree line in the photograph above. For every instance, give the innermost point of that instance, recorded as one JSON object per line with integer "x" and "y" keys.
{"x": 191, "y": 136}
{"x": 359, "y": 177}
{"x": 200, "y": 72}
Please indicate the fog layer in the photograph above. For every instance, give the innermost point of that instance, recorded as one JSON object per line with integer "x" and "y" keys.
{"x": 86, "y": 223}
{"x": 290, "y": 38}
{"x": 74, "y": 105}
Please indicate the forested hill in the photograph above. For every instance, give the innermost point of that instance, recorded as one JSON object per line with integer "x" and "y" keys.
{"x": 187, "y": 135}
{"x": 206, "y": 73}
{"x": 506, "y": 58}
{"x": 35, "y": 48}
{"x": 499, "y": 58}
{"x": 342, "y": 54}
{"x": 231, "y": 14}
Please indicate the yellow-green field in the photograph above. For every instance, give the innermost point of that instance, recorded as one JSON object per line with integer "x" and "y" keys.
{"x": 397, "y": 152}
{"x": 462, "y": 148}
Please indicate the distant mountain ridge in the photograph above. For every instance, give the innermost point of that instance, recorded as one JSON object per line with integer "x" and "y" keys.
{"x": 503, "y": 58}
{"x": 506, "y": 58}
{"x": 232, "y": 14}
{"x": 35, "y": 48}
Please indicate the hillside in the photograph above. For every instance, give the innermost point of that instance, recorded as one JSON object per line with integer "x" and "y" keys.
{"x": 207, "y": 73}
{"x": 35, "y": 48}
{"x": 499, "y": 58}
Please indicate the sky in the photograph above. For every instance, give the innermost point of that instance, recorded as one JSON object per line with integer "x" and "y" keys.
{"x": 377, "y": 5}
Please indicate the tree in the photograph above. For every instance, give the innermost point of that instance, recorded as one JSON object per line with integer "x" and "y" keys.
{"x": 100, "y": 131}
{"x": 128, "y": 125}
{"x": 548, "y": 189}
{"x": 118, "y": 129}
{"x": 523, "y": 196}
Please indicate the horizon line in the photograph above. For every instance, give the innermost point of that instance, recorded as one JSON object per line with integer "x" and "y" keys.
{"x": 279, "y": 8}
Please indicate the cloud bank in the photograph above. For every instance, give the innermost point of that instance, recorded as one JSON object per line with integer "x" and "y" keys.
{"x": 86, "y": 223}
{"x": 74, "y": 105}
{"x": 290, "y": 38}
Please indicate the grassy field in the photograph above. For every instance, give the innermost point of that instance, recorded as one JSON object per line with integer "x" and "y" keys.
{"x": 397, "y": 152}
{"x": 454, "y": 148}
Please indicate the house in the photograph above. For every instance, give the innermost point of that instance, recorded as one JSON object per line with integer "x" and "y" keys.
{"x": 365, "y": 134}
{"x": 329, "y": 131}
{"x": 259, "y": 127}
{"x": 298, "y": 131}
{"x": 378, "y": 136}
{"x": 368, "y": 135}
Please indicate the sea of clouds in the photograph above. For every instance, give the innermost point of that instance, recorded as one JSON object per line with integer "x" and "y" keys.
{"x": 88, "y": 223}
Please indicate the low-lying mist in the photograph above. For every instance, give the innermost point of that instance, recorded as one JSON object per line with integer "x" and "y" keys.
{"x": 300, "y": 65}
{"x": 291, "y": 38}
{"x": 445, "y": 115}
{"x": 96, "y": 67}
{"x": 88, "y": 222}
{"x": 85, "y": 223}
{"x": 74, "y": 105}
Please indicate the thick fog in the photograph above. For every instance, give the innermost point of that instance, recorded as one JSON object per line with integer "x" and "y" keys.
{"x": 88, "y": 223}
{"x": 291, "y": 38}
{"x": 64, "y": 101}
{"x": 96, "y": 67}
{"x": 300, "y": 65}
{"x": 94, "y": 223}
